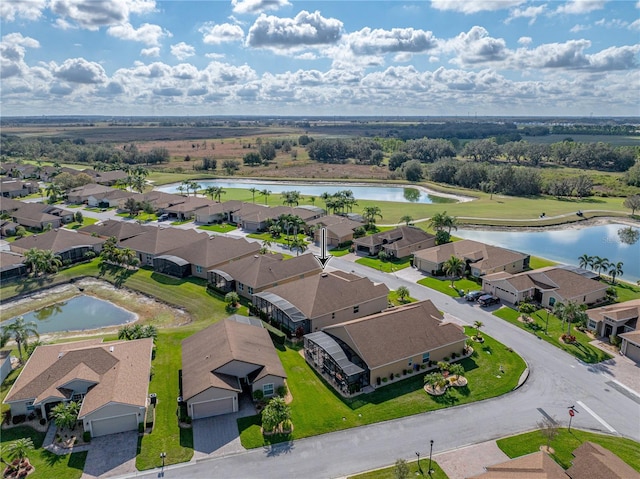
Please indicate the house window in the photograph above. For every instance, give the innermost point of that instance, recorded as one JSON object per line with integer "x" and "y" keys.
{"x": 250, "y": 289}
{"x": 410, "y": 362}
{"x": 29, "y": 405}
{"x": 198, "y": 269}
{"x": 356, "y": 309}
{"x": 425, "y": 358}
{"x": 77, "y": 397}
{"x": 267, "y": 389}
{"x": 592, "y": 324}
{"x": 333, "y": 315}
{"x": 552, "y": 301}
{"x": 240, "y": 287}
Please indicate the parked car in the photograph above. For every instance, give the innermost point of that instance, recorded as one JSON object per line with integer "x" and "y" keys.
{"x": 473, "y": 295}
{"x": 488, "y": 300}
{"x": 163, "y": 217}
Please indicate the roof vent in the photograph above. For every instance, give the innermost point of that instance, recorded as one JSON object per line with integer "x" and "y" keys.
{"x": 324, "y": 275}
{"x": 256, "y": 255}
{"x": 60, "y": 354}
{"x": 111, "y": 348}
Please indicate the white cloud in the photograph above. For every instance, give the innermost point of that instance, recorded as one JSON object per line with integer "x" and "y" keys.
{"x": 579, "y": 28}
{"x": 615, "y": 58}
{"x": 185, "y": 71}
{"x": 306, "y": 29}
{"x": 525, "y": 40}
{"x": 215, "y": 56}
{"x": 182, "y": 51}
{"x": 257, "y": 6}
{"x": 635, "y": 25}
{"x": 93, "y": 14}
{"x": 532, "y": 13}
{"x": 475, "y": 6}
{"x": 147, "y": 33}
{"x": 150, "y": 52}
{"x": 396, "y": 40}
{"x": 79, "y": 70}
{"x": 307, "y": 56}
{"x": 27, "y": 9}
{"x": 215, "y": 34}
{"x": 476, "y": 46}
{"x": 577, "y": 7}
{"x": 12, "y": 52}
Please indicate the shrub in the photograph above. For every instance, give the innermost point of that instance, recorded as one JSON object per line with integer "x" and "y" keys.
{"x": 614, "y": 340}
{"x": 409, "y": 371}
{"x": 6, "y": 416}
{"x": 140, "y": 428}
{"x": 86, "y": 436}
{"x": 43, "y": 421}
{"x": 391, "y": 376}
{"x": 188, "y": 420}
{"x": 445, "y": 359}
{"x": 397, "y": 375}
{"x": 282, "y": 391}
{"x": 258, "y": 395}
{"x": 423, "y": 366}
{"x": 384, "y": 380}
{"x": 18, "y": 419}
{"x": 454, "y": 355}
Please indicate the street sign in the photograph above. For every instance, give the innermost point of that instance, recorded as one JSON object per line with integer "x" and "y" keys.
{"x": 571, "y": 413}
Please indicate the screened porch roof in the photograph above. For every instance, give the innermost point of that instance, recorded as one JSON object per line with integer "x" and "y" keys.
{"x": 283, "y": 305}
{"x": 333, "y": 349}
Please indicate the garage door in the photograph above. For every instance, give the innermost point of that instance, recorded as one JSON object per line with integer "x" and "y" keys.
{"x": 112, "y": 425}
{"x": 213, "y": 408}
{"x": 633, "y": 352}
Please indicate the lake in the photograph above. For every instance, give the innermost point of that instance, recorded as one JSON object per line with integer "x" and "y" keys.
{"x": 79, "y": 313}
{"x": 397, "y": 194}
{"x": 567, "y": 245}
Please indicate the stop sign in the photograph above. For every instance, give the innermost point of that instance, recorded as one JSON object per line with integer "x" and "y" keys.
{"x": 571, "y": 413}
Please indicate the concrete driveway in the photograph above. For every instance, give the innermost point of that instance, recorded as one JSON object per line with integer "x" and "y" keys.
{"x": 219, "y": 435}
{"x": 111, "y": 455}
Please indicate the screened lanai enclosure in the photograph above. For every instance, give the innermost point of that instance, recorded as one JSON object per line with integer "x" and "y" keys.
{"x": 281, "y": 312}
{"x": 171, "y": 265}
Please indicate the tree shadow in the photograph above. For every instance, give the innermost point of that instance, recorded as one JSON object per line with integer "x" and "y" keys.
{"x": 274, "y": 450}
{"x": 52, "y": 459}
{"x": 186, "y": 437}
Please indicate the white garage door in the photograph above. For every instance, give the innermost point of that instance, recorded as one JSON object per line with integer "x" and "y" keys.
{"x": 633, "y": 352}
{"x": 112, "y": 425}
{"x": 213, "y": 408}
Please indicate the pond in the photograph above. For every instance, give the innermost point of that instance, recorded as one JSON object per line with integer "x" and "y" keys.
{"x": 567, "y": 245}
{"x": 79, "y": 313}
{"x": 397, "y": 194}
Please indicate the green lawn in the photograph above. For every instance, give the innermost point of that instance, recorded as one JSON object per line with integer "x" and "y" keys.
{"x": 388, "y": 472}
{"x": 221, "y": 228}
{"x": 181, "y": 222}
{"x": 388, "y": 266}
{"x": 280, "y": 240}
{"x": 444, "y": 285}
{"x": 536, "y": 262}
{"x": 166, "y": 436}
{"x": 341, "y": 250}
{"x": 317, "y": 409}
{"x": 393, "y": 298}
{"x": 626, "y": 291}
{"x": 46, "y": 464}
{"x": 581, "y": 349}
{"x": 565, "y": 442}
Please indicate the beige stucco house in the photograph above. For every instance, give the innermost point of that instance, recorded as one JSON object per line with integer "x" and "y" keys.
{"x": 480, "y": 258}
{"x": 397, "y": 243}
{"x": 219, "y": 360}
{"x": 111, "y": 380}
{"x": 362, "y": 352}
{"x": 620, "y": 319}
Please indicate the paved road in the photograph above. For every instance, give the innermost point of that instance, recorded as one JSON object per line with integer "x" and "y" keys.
{"x": 557, "y": 380}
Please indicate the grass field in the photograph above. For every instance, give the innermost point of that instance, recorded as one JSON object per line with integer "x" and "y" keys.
{"x": 317, "y": 409}
{"x": 221, "y": 228}
{"x": 565, "y": 442}
{"x": 388, "y": 266}
{"x": 581, "y": 349}
{"x": 444, "y": 285}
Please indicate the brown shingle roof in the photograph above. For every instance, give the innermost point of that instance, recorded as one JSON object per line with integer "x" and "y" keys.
{"x": 121, "y": 230}
{"x": 58, "y": 240}
{"x": 397, "y": 238}
{"x": 399, "y": 333}
{"x": 263, "y": 270}
{"x": 538, "y": 465}
{"x": 482, "y": 255}
{"x": 593, "y": 461}
{"x": 573, "y": 285}
{"x": 34, "y": 212}
{"x": 619, "y": 311}
{"x": 328, "y": 292}
{"x": 9, "y": 204}
{"x": 157, "y": 240}
{"x": 221, "y": 343}
{"x": 191, "y": 203}
{"x": 91, "y": 189}
{"x": 211, "y": 251}
{"x": 120, "y": 370}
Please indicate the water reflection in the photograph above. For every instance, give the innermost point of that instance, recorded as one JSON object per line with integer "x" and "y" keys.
{"x": 47, "y": 312}
{"x": 412, "y": 195}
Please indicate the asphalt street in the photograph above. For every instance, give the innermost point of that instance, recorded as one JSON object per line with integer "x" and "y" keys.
{"x": 556, "y": 381}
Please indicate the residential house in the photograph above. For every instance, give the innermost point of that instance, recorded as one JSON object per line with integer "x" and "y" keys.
{"x": 258, "y": 272}
{"x": 480, "y": 258}
{"x": 361, "y": 352}
{"x": 157, "y": 199}
{"x": 317, "y": 301}
{"x": 397, "y": 243}
{"x": 12, "y": 266}
{"x": 81, "y": 194}
{"x": 620, "y": 319}
{"x": 200, "y": 254}
{"x": 339, "y": 229}
{"x": 8, "y": 228}
{"x": 156, "y": 241}
{"x": 8, "y": 205}
{"x": 70, "y": 245}
{"x": 121, "y": 230}
{"x": 591, "y": 461}
{"x": 219, "y": 360}
{"x": 111, "y": 380}
{"x": 39, "y": 215}
{"x": 186, "y": 209}
{"x": 545, "y": 286}
{"x": 253, "y": 217}
{"x": 5, "y": 364}
{"x": 12, "y": 188}
{"x": 217, "y": 212}
{"x": 108, "y": 178}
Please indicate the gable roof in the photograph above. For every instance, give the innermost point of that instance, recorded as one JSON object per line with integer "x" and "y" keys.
{"x": 397, "y": 238}
{"x": 57, "y": 240}
{"x": 9, "y": 204}
{"x": 36, "y": 212}
{"x": 121, "y": 230}
{"x": 9, "y": 260}
{"x": 220, "y": 208}
{"x": 210, "y": 251}
{"x": 221, "y": 343}
{"x": 399, "y": 333}
{"x": 91, "y": 189}
{"x": 481, "y": 255}
{"x": 262, "y": 270}
{"x": 618, "y": 312}
{"x": 339, "y": 225}
{"x": 321, "y": 294}
{"x": 191, "y": 203}
{"x": 538, "y": 465}
{"x": 156, "y": 240}
{"x": 119, "y": 369}
{"x": 593, "y": 461}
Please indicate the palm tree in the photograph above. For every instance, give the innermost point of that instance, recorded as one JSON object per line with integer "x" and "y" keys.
{"x": 20, "y": 330}
{"x": 65, "y": 415}
{"x": 210, "y": 191}
{"x": 435, "y": 380}
{"x": 266, "y": 194}
{"x": 299, "y": 245}
{"x": 453, "y": 267}
{"x": 443, "y": 221}
{"x": 186, "y": 186}
{"x": 138, "y": 183}
{"x": 54, "y": 192}
{"x": 478, "y": 325}
{"x": 266, "y": 244}
{"x": 407, "y": 219}
{"x": 195, "y": 187}
{"x": 585, "y": 260}
{"x": 456, "y": 370}
{"x": 253, "y": 193}
{"x": 34, "y": 258}
{"x": 402, "y": 292}
{"x": 370, "y": 213}
{"x": 616, "y": 270}
{"x": 19, "y": 449}
{"x": 570, "y": 312}
{"x": 600, "y": 264}
{"x": 51, "y": 261}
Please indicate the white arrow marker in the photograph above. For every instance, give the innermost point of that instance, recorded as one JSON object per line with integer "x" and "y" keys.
{"x": 323, "y": 258}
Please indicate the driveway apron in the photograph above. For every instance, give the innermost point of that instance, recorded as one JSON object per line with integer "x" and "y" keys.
{"x": 111, "y": 455}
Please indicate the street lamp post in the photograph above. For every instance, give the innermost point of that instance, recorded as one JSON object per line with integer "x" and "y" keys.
{"x": 419, "y": 467}
{"x": 430, "y": 454}
{"x": 162, "y": 456}
{"x": 546, "y": 327}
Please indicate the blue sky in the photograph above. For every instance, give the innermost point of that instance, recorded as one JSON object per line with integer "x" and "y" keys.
{"x": 282, "y": 57}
